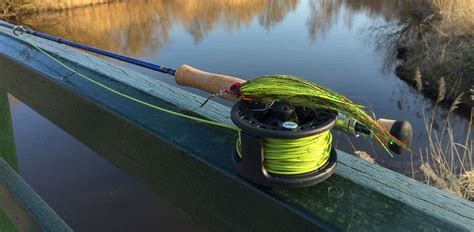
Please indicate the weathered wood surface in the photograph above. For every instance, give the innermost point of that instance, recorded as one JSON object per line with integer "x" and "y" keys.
{"x": 373, "y": 198}
{"x": 39, "y": 217}
{"x": 15, "y": 217}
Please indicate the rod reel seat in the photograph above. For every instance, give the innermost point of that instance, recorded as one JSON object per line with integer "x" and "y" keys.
{"x": 278, "y": 121}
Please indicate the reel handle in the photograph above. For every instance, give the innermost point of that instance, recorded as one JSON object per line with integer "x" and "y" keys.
{"x": 402, "y": 130}
{"x": 210, "y": 82}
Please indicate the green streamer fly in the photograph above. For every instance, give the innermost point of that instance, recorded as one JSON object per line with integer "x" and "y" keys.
{"x": 299, "y": 92}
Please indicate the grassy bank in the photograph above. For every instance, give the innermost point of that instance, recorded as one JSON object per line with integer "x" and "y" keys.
{"x": 437, "y": 42}
{"x": 11, "y": 8}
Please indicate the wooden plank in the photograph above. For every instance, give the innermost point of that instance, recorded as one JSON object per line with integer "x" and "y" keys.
{"x": 15, "y": 216}
{"x": 42, "y": 214}
{"x": 412, "y": 192}
{"x": 373, "y": 195}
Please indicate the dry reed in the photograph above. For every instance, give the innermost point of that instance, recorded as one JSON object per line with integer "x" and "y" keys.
{"x": 447, "y": 161}
{"x": 457, "y": 16}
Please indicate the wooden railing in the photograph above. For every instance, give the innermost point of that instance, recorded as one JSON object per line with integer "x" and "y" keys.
{"x": 189, "y": 164}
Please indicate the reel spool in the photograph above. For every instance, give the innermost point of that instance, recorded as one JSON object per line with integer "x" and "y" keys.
{"x": 261, "y": 126}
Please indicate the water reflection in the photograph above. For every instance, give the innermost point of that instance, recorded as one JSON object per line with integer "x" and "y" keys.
{"x": 324, "y": 13}
{"x": 139, "y": 29}
{"x": 275, "y": 11}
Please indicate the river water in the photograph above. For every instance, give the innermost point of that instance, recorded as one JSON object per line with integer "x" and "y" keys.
{"x": 330, "y": 42}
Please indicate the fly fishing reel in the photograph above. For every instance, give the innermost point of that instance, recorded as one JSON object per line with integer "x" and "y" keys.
{"x": 283, "y": 146}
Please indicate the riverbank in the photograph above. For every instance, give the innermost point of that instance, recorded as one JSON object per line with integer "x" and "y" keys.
{"x": 436, "y": 46}
{"x": 12, "y": 8}
{"x": 434, "y": 49}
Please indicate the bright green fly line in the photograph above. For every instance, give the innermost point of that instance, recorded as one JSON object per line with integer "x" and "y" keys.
{"x": 294, "y": 156}
{"x": 281, "y": 156}
{"x": 130, "y": 97}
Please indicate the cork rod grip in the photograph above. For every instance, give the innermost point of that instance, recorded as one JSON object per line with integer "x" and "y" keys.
{"x": 209, "y": 82}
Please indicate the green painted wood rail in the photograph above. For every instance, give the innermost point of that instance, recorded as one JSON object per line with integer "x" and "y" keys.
{"x": 22, "y": 207}
{"x": 189, "y": 164}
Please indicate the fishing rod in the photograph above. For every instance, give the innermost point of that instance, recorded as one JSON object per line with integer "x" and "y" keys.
{"x": 184, "y": 75}
{"x": 284, "y": 122}
{"x": 213, "y": 83}
{"x": 27, "y": 30}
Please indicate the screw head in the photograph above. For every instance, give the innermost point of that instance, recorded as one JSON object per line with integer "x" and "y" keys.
{"x": 290, "y": 125}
